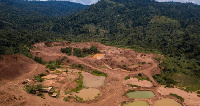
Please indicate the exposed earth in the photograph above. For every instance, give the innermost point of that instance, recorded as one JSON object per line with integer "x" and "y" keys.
{"x": 117, "y": 63}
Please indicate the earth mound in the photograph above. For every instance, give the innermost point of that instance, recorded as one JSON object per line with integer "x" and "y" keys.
{"x": 14, "y": 67}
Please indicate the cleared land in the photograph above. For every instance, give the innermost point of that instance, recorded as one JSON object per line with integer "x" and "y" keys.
{"x": 116, "y": 63}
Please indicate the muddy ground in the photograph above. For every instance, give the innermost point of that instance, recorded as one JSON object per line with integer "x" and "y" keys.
{"x": 14, "y": 69}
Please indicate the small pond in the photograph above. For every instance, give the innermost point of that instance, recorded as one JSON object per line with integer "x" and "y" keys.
{"x": 88, "y": 94}
{"x": 166, "y": 102}
{"x": 90, "y": 80}
{"x": 137, "y": 103}
{"x": 140, "y": 94}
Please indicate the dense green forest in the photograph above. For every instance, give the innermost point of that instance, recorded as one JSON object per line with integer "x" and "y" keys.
{"x": 168, "y": 28}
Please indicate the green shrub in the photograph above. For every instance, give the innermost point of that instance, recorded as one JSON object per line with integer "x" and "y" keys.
{"x": 1, "y": 57}
{"x": 86, "y": 51}
{"x": 39, "y": 77}
{"x": 140, "y": 74}
{"x": 132, "y": 85}
{"x": 67, "y": 50}
{"x": 198, "y": 92}
{"x": 130, "y": 91}
{"x": 123, "y": 103}
{"x": 39, "y": 60}
{"x": 67, "y": 98}
{"x": 52, "y": 65}
{"x": 77, "y": 52}
{"x": 127, "y": 77}
{"x": 78, "y": 99}
{"x": 179, "y": 97}
{"x": 33, "y": 88}
{"x": 163, "y": 80}
{"x": 124, "y": 66}
{"x": 79, "y": 66}
{"x": 79, "y": 81}
{"x": 98, "y": 73}
{"x": 94, "y": 49}
{"x": 41, "y": 95}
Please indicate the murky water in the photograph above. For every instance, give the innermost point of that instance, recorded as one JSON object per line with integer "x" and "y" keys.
{"x": 166, "y": 102}
{"x": 88, "y": 94}
{"x": 140, "y": 94}
{"x": 137, "y": 103}
{"x": 90, "y": 80}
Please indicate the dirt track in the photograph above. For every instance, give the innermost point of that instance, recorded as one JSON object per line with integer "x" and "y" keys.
{"x": 111, "y": 91}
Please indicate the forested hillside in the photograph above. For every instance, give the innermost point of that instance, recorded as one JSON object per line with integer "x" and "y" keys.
{"x": 168, "y": 28}
{"x": 23, "y": 23}
{"x": 172, "y": 29}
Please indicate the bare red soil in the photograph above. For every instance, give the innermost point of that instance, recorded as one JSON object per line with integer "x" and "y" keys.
{"x": 117, "y": 63}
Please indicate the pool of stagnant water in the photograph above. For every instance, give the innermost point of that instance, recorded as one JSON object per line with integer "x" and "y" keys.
{"x": 90, "y": 80}
{"x": 137, "y": 103}
{"x": 166, "y": 102}
{"x": 88, "y": 94}
{"x": 140, "y": 94}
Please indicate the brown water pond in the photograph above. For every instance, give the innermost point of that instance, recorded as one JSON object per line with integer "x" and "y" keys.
{"x": 88, "y": 94}
{"x": 166, "y": 102}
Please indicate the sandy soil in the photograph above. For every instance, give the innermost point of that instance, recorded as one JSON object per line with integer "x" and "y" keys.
{"x": 135, "y": 81}
{"x": 191, "y": 99}
{"x": 112, "y": 64}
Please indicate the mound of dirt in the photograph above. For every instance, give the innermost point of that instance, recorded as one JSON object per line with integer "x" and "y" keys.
{"x": 14, "y": 67}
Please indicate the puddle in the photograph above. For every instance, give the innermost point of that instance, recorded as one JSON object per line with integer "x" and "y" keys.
{"x": 88, "y": 94}
{"x": 90, "y": 80}
{"x": 98, "y": 56}
{"x": 137, "y": 103}
{"x": 140, "y": 94}
{"x": 166, "y": 102}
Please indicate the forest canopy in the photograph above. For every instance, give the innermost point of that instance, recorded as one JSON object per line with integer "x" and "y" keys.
{"x": 167, "y": 28}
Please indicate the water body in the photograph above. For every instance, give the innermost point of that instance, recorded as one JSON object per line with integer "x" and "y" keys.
{"x": 90, "y": 80}
{"x": 137, "y": 103}
{"x": 88, "y": 94}
{"x": 166, "y": 102}
{"x": 140, "y": 94}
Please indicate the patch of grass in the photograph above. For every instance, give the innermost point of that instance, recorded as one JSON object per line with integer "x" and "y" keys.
{"x": 67, "y": 98}
{"x": 79, "y": 81}
{"x": 39, "y": 77}
{"x": 130, "y": 91}
{"x": 67, "y": 50}
{"x": 33, "y": 88}
{"x": 198, "y": 92}
{"x": 58, "y": 71}
{"x": 164, "y": 80}
{"x": 41, "y": 95}
{"x": 78, "y": 99}
{"x": 126, "y": 78}
{"x": 132, "y": 85}
{"x": 179, "y": 97}
{"x": 190, "y": 83}
{"x": 52, "y": 65}
{"x": 77, "y": 66}
{"x": 98, "y": 73}
{"x": 198, "y": 95}
{"x": 123, "y": 103}
{"x": 140, "y": 77}
{"x": 39, "y": 60}
{"x": 124, "y": 66}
